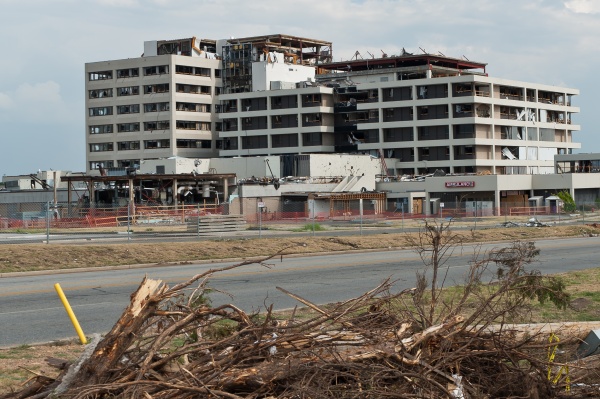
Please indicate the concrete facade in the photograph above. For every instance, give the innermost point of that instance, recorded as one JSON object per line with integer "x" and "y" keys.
{"x": 155, "y": 106}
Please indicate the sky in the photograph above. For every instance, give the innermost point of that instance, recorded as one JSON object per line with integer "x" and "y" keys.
{"x": 48, "y": 42}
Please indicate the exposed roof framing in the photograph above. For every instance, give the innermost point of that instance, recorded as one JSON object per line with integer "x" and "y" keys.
{"x": 149, "y": 177}
{"x": 408, "y": 60}
{"x": 283, "y": 40}
{"x": 300, "y": 46}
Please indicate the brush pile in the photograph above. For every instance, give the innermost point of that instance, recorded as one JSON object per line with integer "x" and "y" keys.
{"x": 171, "y": 343}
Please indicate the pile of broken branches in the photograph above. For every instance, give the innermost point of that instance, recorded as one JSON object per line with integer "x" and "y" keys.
{"x": 171, "y": 343}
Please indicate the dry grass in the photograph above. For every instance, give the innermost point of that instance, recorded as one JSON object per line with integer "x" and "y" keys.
{"x": 32, "y": 257}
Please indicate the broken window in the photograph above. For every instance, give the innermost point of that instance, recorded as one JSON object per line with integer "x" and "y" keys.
{"x": 156, "y": 107}
{"x": 463, "y": 89}
{"x": 509, "y": 154}
{"x": 411, "y": 75}
{"x": 463, "y": 110}
{"x": 511, "y": 133}
{"x": 101, "y": 147}
{"x": 128, "y": 73}
{"x": 193, "y": 89}
{"x": 157, "y": 88}
{"x": 230, "y": 125}
{"x": 198, "y": 71}
{"x": 101, "y": 129}
{"x": 276, "y": 102}
{"x": 100, "y": 111}
{"x": 312, "y": 118}
{"x": 511, "y": 93}
{"x": 192, "y": 107}
{"x": 128, "y": 127}
{"x": 184, "y": 69}
{"x": 158, "y": 125}
{"x": 229, "y": 106}
{"x": 128, "y": 91}
{"x": 156, "y": 70}
{"x": 127, "y": 163}
{"x": 95, "y": 165}
{"x": 193, "y": 125}
{"x": 153, "y": 144}
{"x": 311, "y": 99}
{"x": 128, "y": 145}
{"x": 100, "y": 93}
{"x": 103, "y": 75}
{"x": 128, "y": 109}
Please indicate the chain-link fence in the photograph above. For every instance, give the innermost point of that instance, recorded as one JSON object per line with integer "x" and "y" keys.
{"x": 49, "y": 221}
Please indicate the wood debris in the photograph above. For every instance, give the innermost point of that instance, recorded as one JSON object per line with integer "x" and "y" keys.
{"x": 171, "y": 343}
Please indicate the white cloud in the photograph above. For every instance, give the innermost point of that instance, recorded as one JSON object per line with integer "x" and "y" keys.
{"x": 5, "y": 101}
{"x": 583, "y": 6}
{"x": 40, "y": 92}
{"x": 38, "y": 103}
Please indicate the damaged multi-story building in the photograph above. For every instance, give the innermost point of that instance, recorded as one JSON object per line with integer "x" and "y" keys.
{"x": 421, "y": 112}
{"x": 281, "y": 95}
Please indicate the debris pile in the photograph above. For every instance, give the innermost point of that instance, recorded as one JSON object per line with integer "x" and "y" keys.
{"x": 171, "y": 343}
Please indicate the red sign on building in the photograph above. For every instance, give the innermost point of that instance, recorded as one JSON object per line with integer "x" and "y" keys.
{"x": 455, "y": 184}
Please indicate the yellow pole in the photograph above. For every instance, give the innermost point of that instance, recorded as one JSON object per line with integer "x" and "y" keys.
{"x": 65, "y": 303}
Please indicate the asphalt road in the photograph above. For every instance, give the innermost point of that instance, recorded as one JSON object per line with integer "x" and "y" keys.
{"x": 30, "y": 311}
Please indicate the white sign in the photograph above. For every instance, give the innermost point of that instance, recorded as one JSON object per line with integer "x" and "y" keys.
{"x": 441, "y": 204}
{"x": 261, "y": 204}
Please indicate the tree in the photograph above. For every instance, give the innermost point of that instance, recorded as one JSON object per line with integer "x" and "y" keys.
{"x": 505, "y": 293}
{"x": 568, "y": 201}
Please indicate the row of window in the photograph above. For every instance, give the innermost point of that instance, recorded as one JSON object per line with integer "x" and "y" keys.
{"x": 313, "y": 139}
{"x": 149, "y": 126}
{"x": 278, "y": 102}
{"x": 121, "y": 163}
{"x": 149, "y": 107}
{"x": 149, "y": 144}
{"x": 347, "y": 97}
{"x": 129, "y": 73}
{"x": 399, "y": 114}
{"x": 151, "y": 89}
{"x": 277, "y": 141}
{"x": 153, "y": 70}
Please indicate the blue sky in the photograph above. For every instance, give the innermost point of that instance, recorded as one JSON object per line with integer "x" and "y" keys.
{"x": 47, "y": 42}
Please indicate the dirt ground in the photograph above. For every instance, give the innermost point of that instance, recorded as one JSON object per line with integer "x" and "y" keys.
{"x": 20, "y": 363}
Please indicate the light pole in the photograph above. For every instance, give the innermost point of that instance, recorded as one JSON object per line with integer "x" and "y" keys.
{"x": 360, "y": 206}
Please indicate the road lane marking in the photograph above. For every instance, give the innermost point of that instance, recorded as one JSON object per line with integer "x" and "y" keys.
{"x": 57, "y": 308}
